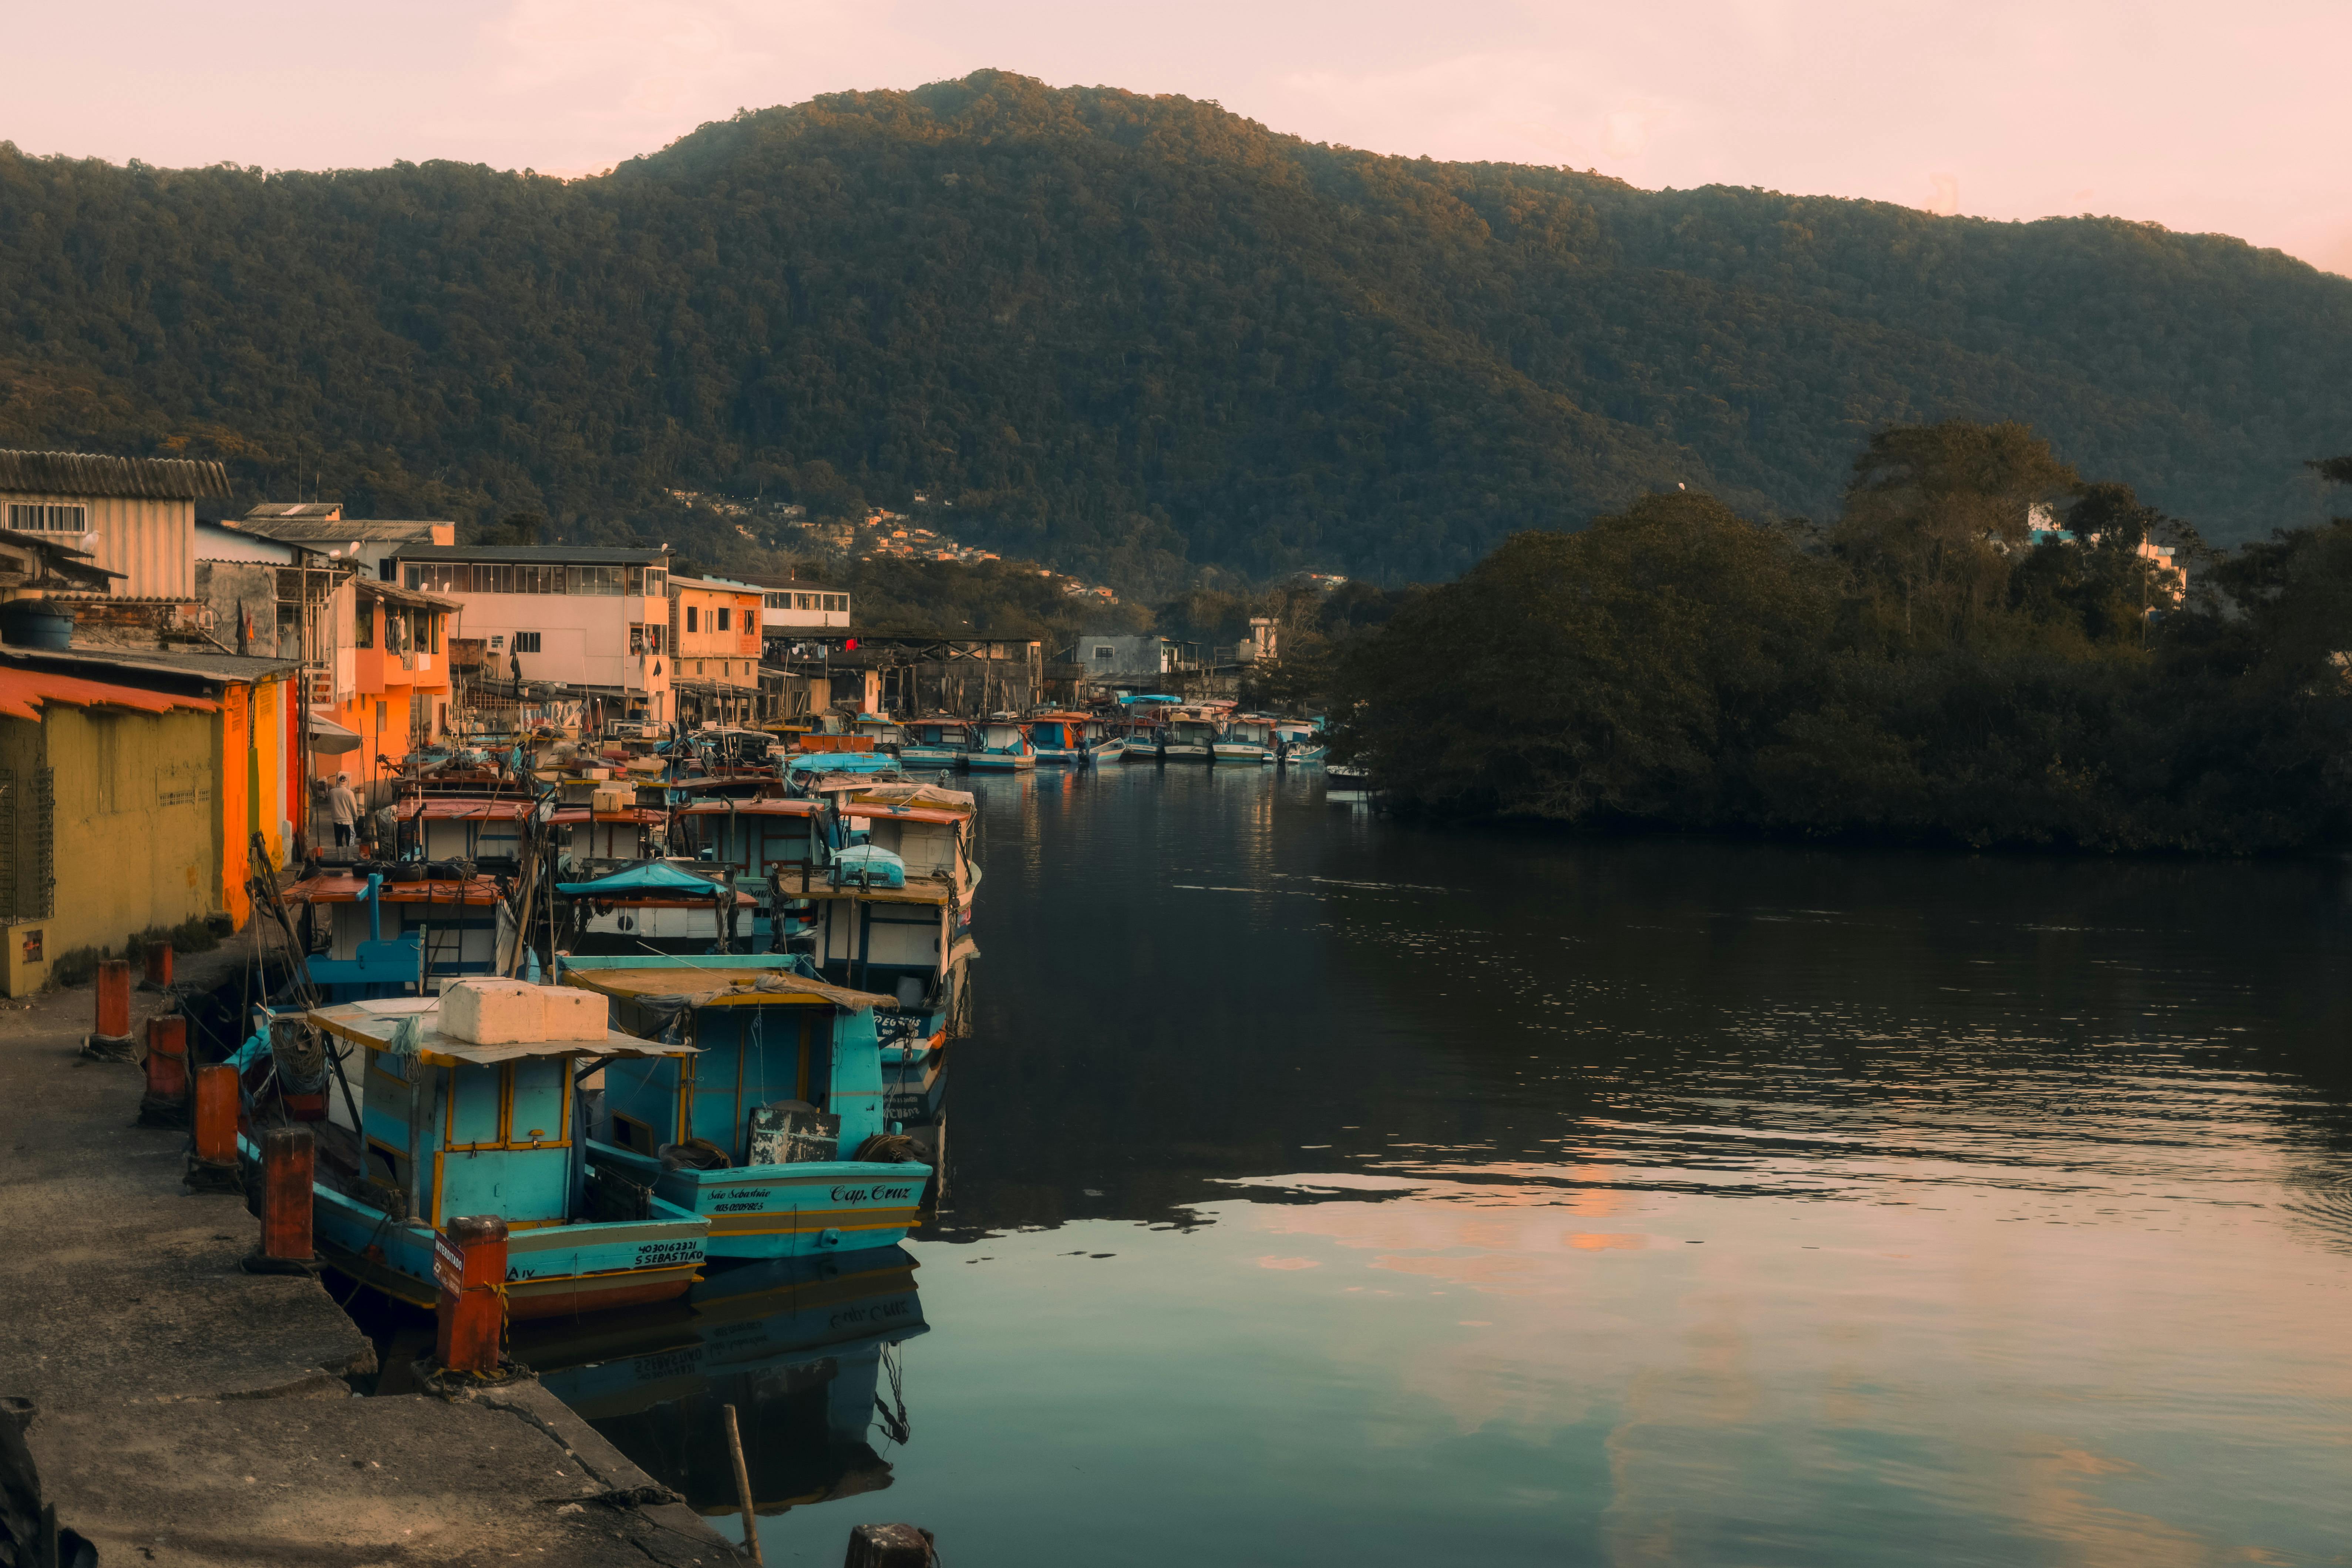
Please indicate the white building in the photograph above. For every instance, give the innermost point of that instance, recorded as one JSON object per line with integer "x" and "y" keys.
{"x": 136, "y": 516}
{"x": 592, "y": 620}
{"x": 790, "y": 605}
{"x": 372, "y": 542}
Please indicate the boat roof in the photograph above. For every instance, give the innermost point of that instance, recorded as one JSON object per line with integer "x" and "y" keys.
{"x": 373, "y": 1024}
{"x": 705, "y": 986}
{"x": 758, "y": 806}
{"x": 939, "y": 814}
{"x": 461, "y": 808}
{"x": 570, "y": 816}
{"x": 342, "y": 888}
{"x": 910, "y": 794}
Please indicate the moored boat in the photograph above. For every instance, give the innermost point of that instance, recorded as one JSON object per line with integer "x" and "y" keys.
{"x": 451, "y": 1127}
{"x": 938, "y": 742}
{"x": 1249, "y": 739}
{"x": 1003, "y": 746}
{"x": 1191, "y": 737}
{"x": 776, "y": 1131}
{"x": 1298, "y": 741}
{"x": 1060, "y": 738}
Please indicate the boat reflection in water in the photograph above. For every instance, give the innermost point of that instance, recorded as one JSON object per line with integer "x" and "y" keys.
{"x": 806, "y": 1350}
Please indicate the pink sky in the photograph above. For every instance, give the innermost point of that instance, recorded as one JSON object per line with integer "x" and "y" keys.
{"x": 2232, "y": 118}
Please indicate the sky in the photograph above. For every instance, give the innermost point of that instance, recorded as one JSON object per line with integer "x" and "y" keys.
{"x": 2233, "y": 119}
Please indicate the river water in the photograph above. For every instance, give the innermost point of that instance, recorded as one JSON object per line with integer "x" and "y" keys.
{"x": 1323, "y": 1189}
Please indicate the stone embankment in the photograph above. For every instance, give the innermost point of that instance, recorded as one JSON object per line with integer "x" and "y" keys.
{"x": 187, "y": 1412}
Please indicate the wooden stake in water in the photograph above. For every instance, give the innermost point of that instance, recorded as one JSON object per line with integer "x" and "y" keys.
{"x": 743, "y": 1487}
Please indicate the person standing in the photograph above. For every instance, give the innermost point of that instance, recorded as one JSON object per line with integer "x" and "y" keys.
{"x": 342, "y": 809}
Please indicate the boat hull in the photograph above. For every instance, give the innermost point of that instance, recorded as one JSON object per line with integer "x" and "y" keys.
{"x": 786, "y": 1211}
{"x": 1243, "y": 752}
{"x": 999, "y": 763}
{"x": 929, "y": 757}
{"x": 555, "y": 1270}
{"x": 1176, "y": 753}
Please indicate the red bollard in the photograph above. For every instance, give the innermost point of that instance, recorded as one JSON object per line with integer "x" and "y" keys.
{"x": 212, "y": 1168}
{"x": 113, "y": 1001}
{"x": 288, "y": 1161}
{"x": 469, "y": 1263}
{"x": 165, "y": 1104}
{"x": 159, "y": 965}
{"x": 167, "y": 1056}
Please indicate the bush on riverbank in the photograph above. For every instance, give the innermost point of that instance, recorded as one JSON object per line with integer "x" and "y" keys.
{"x": 1923, "y": 669}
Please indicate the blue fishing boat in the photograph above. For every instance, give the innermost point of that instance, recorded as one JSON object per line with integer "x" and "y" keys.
{"x": 1103, "y": 740}
{"x": 935, "y": 743}
{"x": 775, "y": 1129}
{"x": 1191, "y": 737}
{"x": 1003, "y": 746}
{"x": 1298, "y": 741}
{"x": 450, "y": 1127}
{"x": 1060, "y": 738}
{"x": 1249, "y": 739}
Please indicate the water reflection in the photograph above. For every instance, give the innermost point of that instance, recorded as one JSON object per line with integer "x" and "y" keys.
{"x": 807, "y": 1351}
{"x": 1326, "y": 1189}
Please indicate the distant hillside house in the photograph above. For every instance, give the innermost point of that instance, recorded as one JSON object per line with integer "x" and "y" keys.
{"x": 135, "y": 516}
{"x": 321, "y": 526}
{"x": 788, "y": 605}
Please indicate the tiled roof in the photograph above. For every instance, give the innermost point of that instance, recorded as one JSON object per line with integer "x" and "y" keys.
{"x": 22, "y": 692}
{"x": 90, "y": 474}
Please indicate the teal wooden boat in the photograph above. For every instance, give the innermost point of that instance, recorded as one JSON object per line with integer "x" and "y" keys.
{"x": 935, "y": 743}
{"x": 1003, "y": 747}
{"x": 452, "y": 1128}
{"x": 774, "y": 1130}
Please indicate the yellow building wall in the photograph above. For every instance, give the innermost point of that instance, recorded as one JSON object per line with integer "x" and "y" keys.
{"x": 136, "y": 805}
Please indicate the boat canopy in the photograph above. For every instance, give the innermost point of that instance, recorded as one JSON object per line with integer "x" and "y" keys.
{"x": 669, "y": 988}
{"x": 653, "y": 877}
{"x": 461, "y": 808}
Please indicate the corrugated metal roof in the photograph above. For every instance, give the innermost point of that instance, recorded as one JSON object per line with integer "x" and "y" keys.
{"x": 391, "y": 594}
{"x": 204, "y": 666}
{"x": 318, "y": 530}
{"x": 91, "y": 474}
{"x": 328, "y": 509}
{"x": 548, "y": 554}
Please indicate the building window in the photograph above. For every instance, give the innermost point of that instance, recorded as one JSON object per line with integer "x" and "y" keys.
{"x": 363, "y": 624}
{"x": 433, "y": 629}
{"x": 636, "y": 637}
{"x": 525, "y": 642}
{"x": 722, "y": 618}
{"x": 39, "y": 518}
{"x": 656, "y": 583}
{"x": 1103, "y": 650}
{"x": 838, "y": 603}
{"x": 692, "y": 621}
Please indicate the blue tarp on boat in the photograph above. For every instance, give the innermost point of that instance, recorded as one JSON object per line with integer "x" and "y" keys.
{"x": 652, "y": 877}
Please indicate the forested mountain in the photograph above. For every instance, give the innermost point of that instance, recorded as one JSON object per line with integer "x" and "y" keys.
{"x": 1124, "y": 333}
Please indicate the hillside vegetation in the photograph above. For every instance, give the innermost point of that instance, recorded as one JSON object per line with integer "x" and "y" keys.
{"x": 1924, "y": 669}
{"x": 1129, "y": 335}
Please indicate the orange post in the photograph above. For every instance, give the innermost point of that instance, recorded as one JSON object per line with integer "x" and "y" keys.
{"x": 159, "y": 965}
{"x": 288, "y": 1159}
{"x": 167, "y": 1057}
{"x": 217, "y": 1114}
{"x": 113, "y": 999}
{"x": 469, "y": 1263}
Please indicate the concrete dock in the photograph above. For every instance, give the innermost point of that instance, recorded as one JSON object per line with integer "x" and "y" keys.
{"x": 189, "y": 1412}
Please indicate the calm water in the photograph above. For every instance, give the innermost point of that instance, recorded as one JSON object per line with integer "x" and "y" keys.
{"x": 1323, "y": 1190}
